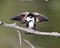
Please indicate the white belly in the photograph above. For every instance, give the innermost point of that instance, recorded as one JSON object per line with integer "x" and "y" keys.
{"x": 31, "y": 24}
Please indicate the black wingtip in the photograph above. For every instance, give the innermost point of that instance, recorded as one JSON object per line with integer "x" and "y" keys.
{"x": 17, "y": 18}
{"x": 44, "y": 18}
{"x": 13, "y": 18}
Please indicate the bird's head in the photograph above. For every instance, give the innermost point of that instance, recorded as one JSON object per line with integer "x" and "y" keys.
{"x": 30, "y": 15}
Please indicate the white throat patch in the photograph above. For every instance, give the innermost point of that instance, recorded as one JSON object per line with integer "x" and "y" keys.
{"x": 28, "y": 19}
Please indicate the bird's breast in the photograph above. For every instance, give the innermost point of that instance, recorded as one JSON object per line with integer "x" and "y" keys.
{"x": 31, "y": 24}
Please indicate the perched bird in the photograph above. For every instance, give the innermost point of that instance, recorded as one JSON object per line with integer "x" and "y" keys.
{"x": 30, "y": 19}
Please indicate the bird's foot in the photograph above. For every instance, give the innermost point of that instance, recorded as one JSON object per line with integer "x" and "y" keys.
{"x": 27, "y": 33}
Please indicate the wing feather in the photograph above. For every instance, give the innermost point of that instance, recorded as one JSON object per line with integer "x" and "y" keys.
{"x": 21, "y": 16}
{"x": 39, "y": 17}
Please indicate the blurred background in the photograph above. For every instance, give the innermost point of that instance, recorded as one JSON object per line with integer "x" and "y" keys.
{"x": 10, "y": 8}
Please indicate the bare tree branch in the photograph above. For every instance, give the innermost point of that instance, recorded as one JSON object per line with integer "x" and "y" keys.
{"x": 29, "y": 43}
{"x": 30, "y": 30}
{"x": 19, "y": 35}
{"x": 20, "y": 39}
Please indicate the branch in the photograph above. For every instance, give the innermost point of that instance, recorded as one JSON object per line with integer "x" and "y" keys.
{"x": 19, "y": 35}
{"x": 30, "y": 30}
{"x": 28, "y": 43}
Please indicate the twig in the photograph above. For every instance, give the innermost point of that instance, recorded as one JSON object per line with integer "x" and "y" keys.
{"x": 30, "y": 30}
{"x": 19, "y": 35}
{"x": 28, "y": 43}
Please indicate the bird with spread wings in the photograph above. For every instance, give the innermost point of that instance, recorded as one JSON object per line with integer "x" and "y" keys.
{"x": 30, "y": 18}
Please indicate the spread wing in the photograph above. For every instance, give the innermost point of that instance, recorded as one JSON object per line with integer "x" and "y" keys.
{"x": 20, "y": 17}
{"x": 39, "y": 17}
